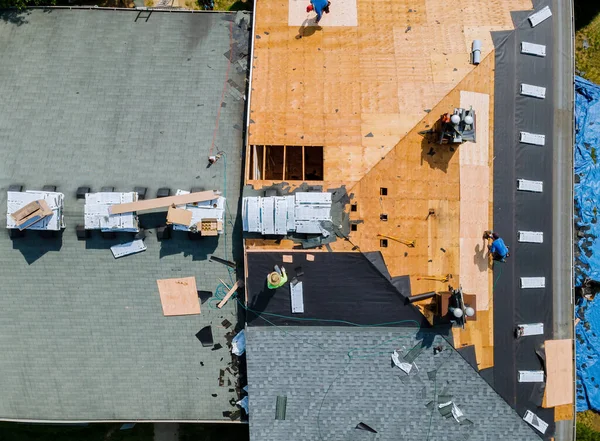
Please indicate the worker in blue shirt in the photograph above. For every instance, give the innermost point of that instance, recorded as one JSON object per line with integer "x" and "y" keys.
{"x": 319, "y": 6}
{"x": 496, "y": 246}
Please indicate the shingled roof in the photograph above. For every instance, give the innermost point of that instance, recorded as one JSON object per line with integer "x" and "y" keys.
{"x": 107, "y": 98}
{"x": 336, "y": 378}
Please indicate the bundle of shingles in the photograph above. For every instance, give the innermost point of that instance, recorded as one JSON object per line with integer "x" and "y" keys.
{"x": 301, "y": 212}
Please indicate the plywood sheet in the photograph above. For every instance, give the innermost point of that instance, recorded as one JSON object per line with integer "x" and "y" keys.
{"x": 475, "y": 202}
{"x": 179, "y": 216}
{"x": 179, "y": 296}
{"x": 314, "y": 85}
{"x": 149, "y": 204}
{"x": 341, "y": 13}
{"x": 559, "y": 372}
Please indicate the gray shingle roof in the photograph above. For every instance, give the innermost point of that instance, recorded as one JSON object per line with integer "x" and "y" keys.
{"x": 96, "y": 98}
{"x": 335, "y": 378}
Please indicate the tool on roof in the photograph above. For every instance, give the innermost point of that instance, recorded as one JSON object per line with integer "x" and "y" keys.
{"x": 431, "y": 213}
{"x": 442, "y": 279}
{"x": 408, "y": 243}
{"x": 454, "y": 128}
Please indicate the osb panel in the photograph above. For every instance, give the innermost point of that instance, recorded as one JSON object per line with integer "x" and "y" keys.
{"x": 417, "y": 182}
{"x": 342, "y": 13}
{"x": 563, "y": 412}
{"x": 559, "y": 373}
{"x": 475, "y": 202}
{"x": 314, "y": 85}
{"x": 179, "y": 296}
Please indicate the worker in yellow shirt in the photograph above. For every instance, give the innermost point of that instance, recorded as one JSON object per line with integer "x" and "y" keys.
{"x": 277, "y": 278}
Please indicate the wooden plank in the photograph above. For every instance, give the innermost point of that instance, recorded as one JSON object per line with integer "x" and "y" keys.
{"x": 179, "y": 296}
{"x": 233, "y": 289}
{"x": 179, "y": 216}
{"x": 563, "y": 412}
{"x": 559, "y": 372}
{"x": 149, "y": 204}
{"x": 475, "y": 201}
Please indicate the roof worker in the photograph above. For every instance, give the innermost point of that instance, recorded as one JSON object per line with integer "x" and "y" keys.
{"x": 277, "y": 278}
{"x": 496, "y": 246}
{"x": 319, "y": 6}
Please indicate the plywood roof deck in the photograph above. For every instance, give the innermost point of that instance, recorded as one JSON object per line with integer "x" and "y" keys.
{"x": 336, "y": 85}
{"x": 365, "y": 93}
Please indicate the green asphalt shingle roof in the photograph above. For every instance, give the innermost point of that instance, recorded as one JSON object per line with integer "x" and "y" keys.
{"x": 92, "y": 97}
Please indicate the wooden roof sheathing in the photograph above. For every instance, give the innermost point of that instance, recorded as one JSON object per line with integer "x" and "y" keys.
{"x": 336, "y": 86}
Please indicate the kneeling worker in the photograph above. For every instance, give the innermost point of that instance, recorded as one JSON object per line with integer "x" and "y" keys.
{"x": 277, "y": 278}
{"x": 496, "y": 246}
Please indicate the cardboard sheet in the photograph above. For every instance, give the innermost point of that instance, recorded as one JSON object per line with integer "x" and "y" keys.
{"x": 559, "y": 372}
{"x": 179, "y": 216}
{"x": 179, "y": 296}
{"x": 31, "y": 213}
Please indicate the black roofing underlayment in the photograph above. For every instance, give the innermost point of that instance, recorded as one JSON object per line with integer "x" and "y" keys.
{"x": 518, "y": 210}
{"x": 337, "y": 286}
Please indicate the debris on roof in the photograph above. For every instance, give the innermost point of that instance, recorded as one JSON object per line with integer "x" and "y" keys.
{"x": 125, "y": 249}
{"x": 238, "y": 344}
{"x": 35, "y": 210}
{"x": 243, "y": 403}
{"x": 205, "y": 336}
{"x": 539, "y": 424}
{"x": 363, "y": 426}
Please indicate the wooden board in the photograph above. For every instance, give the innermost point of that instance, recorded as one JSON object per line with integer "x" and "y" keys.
{"x": 233, "y": 289}
{"x": 179, "y": 296}
{"x": 150, "y": 204}
{"x": 559, "y": 372}
{"x": 179, "y": 216}
{"x": 475, "y": 201}
{"x": 408, "y": 55}
{"x": 564, "y": 412}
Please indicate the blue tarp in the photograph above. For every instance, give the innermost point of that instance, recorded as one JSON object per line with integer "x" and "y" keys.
{"x": 587, "y": 255}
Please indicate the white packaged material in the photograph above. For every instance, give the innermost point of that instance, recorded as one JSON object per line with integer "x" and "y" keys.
{"x": 313, "y": 198}
{"x": 238, "y": 343}
{"x": 128, "y": 248}
{"x": 533, "y": 282}
{"x": 535, "y": 421}
{"x": 213, "y": 209}
{"x": 531, "y": 236}
{"x": 97, "y": 215}
{"x": 17, "y": 200}
{"x": 406, "y": 367}
{"x": 539, "y": 16}
{"x": 297, "y": 296}
{"x": 531, "y": 376}
{"x": 251, "y": 214}
{"x": 267, "y": 215}
{"x": 532, "y": 138}
{"x": 533, "y": 186}
{"x": 280, "y": 215}
{"x": 531, "y": 329}
{"x": 291, "y": 218}
{"x": 533, "y": 49}
{"x": 534, "y": 91}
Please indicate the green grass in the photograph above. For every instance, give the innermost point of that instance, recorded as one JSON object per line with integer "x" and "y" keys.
{"x": 587, "y": 39}
{"x": 233, "y": 5}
